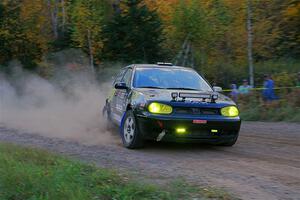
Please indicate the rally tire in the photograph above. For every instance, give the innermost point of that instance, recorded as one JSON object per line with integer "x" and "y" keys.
{"x": 131, "y": 136}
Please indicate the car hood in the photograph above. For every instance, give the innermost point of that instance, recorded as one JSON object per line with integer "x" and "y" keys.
{"x": 165, "y": 95}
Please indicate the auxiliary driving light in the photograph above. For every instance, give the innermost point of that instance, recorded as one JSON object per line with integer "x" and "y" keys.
{"x": 180, "y": 130}
{"x": 214, "y": 130}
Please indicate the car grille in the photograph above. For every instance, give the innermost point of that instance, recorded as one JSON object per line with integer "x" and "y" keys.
{"x": 197, "y": 111}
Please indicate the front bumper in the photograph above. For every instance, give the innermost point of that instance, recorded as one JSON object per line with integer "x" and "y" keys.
{"x": 152, "y": 125}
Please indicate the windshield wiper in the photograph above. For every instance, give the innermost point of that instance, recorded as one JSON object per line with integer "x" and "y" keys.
{"x": 155, "y": 87}
{"x": 179, "y": 88}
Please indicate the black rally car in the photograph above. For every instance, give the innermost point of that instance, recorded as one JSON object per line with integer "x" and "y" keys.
{"x": 170, "y": 103}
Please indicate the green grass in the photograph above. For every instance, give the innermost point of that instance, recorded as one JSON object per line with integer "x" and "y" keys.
{"x": 27, "y": 173}
{"x": 261, "y": 113}
{"x": 287, "y": 108}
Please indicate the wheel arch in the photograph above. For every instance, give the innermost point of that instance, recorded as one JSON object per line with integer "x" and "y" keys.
{"x": 128, "y": 107}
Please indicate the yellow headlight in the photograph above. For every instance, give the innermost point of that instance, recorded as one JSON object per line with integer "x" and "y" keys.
{"x": 230, "y": 111}
{"x": 159, "y": 108}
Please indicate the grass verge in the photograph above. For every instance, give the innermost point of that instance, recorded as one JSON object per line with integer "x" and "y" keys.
{"x": 287, "y": 108}
{"x": 27, "y": 173}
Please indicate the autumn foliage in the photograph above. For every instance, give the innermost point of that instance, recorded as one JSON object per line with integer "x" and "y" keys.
{"x": 101, "y": 28}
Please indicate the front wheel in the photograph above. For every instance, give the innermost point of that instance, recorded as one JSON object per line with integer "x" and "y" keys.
{"x": 130, "y": 133}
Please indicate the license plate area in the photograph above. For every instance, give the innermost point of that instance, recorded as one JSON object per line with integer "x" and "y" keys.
{"x": 199, "y": 121}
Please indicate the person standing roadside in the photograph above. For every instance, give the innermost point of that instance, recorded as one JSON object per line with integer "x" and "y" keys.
{"x": 234, "y": 92}
{"x": 245, "y": 88}
{"x": 268, "y": 91}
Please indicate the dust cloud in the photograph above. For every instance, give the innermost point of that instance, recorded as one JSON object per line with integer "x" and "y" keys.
{"x": 66, "y": 106}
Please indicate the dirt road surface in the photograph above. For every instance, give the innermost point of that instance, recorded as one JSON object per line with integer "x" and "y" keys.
{"x": 264, "y": 164}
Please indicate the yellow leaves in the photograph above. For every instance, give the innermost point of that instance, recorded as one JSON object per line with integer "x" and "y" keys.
{"x": 5, "y": 2}
{"x": 293, "y": 10}
{"x": 219, "y": 27}
{"x": 87, "y": 24}
{"x": 164, "y": 8}
{"x": 284, "y": 79}
{"x": 82, "y": 12}
{"x": 35, "y": 22}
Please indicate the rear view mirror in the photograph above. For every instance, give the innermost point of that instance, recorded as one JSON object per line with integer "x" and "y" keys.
{"x": 121, "y": 86}
{"x": 217, "y": 89}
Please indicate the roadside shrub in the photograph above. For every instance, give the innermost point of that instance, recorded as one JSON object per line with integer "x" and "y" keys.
{"x": 287, "y": 108}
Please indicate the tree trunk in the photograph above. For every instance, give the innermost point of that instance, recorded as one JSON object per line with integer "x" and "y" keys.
{"x": 53, "y": 14}
{"x": 180, "y": 54}
{"x": 63, "y": 16}
{"x": 90, "y": 51}
{"x": 186, "y": 55}
{"x": 192, "y": 57}
{"x": 202, "y": 57}
{"x": 250, "y": 42}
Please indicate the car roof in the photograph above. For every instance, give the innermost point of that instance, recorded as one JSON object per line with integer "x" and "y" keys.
{"x": 157, "y": 66}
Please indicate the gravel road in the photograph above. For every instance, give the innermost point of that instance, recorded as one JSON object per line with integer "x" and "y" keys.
{"x": 264, "y": 164}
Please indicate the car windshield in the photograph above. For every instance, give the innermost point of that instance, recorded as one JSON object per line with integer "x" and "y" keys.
{"x": 168, "y": 78}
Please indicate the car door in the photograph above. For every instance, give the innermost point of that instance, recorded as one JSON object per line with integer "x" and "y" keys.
{"x": 114, "y": 102}
{"x": 122, "y": 95}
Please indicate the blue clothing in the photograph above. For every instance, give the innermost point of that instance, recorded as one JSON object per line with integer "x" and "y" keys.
{"x": 268, "y": 92}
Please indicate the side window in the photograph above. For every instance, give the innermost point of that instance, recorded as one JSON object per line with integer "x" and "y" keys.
{"x": 127, "y": 77}
{"x": 119, "y": 77}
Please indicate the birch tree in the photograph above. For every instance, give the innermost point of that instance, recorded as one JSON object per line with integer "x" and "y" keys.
{"x": 87, "y": 20}
{"x": 249, "y": 48}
